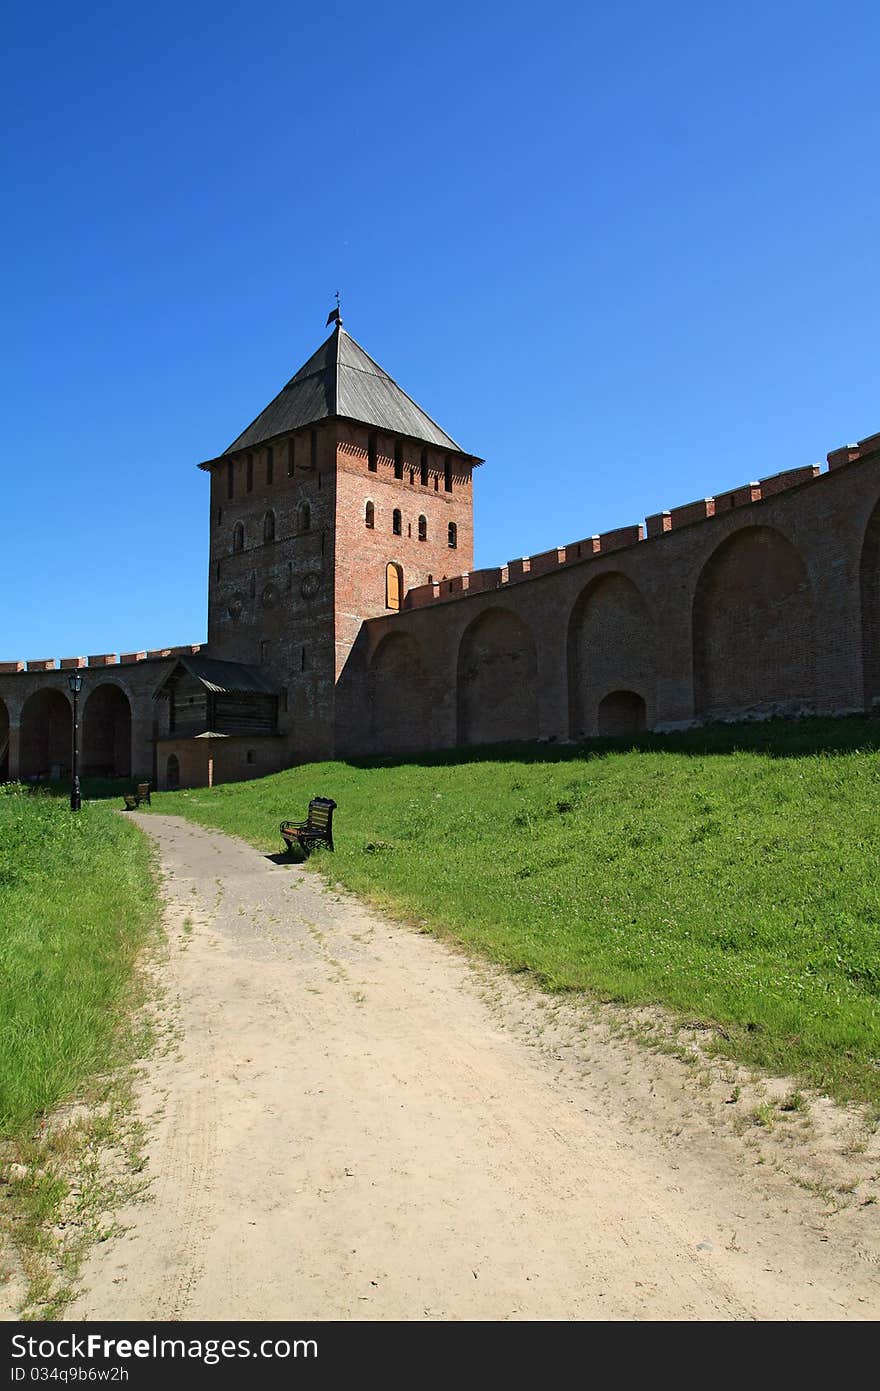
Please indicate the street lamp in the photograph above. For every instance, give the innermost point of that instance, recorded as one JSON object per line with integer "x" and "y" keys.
{"x": 75, "y": 682}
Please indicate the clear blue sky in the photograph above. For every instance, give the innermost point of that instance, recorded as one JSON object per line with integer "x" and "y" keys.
{"x": 628, "y": 253}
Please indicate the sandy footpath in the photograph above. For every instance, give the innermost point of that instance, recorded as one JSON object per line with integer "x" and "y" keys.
{"x": 355, "y": 1122}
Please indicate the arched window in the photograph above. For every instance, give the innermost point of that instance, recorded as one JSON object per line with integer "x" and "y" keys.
{"x": 369, "y": 516}
{"x": 398, "y": 461}
{"x": 452, "y": 533}
{"x": 423, "y": 528}
{"x": 304, "y": 517}
{"x": 397, "y": 522}
{"x": 424, "y": 473}
{"x": 447, "y": 475}
{"x": 172, "y": 771}
{"x": 269, "y": 526}
{"x": 393, "y": 585}
{"x": 238, "y": 537}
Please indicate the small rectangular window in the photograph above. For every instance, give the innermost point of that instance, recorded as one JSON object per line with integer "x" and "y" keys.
{"x": 270, "y": 464}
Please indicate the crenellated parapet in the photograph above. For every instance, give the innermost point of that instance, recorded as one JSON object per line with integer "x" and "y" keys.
{"x": 657, "y": 525}
{"x": 99, "y": 659}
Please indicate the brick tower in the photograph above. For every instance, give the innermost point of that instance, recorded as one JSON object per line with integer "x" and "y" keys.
{"x": 340, "y": 497}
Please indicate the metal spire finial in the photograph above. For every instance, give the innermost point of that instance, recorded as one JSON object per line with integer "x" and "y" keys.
{"x": 335, "y": 317}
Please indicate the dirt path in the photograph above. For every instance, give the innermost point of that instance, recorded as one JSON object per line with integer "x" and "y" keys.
{"x": 359, "y": 1124}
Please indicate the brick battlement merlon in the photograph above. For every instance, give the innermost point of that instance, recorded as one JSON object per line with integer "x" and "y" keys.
{"x": 101, "y": 659}
{"x": 656, "y": 526}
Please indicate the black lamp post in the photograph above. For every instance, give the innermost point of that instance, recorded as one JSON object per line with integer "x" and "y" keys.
{"x": 75, "y": 682}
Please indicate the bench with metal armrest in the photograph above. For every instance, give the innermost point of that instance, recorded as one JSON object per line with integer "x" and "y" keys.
{"x": 133, "y": 799}
{"x": 316, "y": 830}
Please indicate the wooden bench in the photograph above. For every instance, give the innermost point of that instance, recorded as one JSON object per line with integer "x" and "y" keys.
{"x": 316, "y": 830}
{"x": 133, "y": 799}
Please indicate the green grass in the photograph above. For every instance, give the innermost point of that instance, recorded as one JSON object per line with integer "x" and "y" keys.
{"x": 731, "y": 875}
{"x": 76, "y": 899}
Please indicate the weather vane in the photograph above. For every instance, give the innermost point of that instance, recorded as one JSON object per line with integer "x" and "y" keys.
{"x": 334, "y": 317}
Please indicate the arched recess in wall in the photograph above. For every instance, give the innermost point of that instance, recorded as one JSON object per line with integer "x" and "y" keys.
{"x": 497, "y": 680}
{"x": 393, "y": 585}
{"x": 105, "y": 747}
{"x": 46, "y": 735}
{"x": 753, "y": 628}
{"x": 621, "y": 712}
{"x": 869, "y": 579}
{"x": 4, "y": 742}
{"x": 399, "y": 696}
{"x": 611, "y": 648}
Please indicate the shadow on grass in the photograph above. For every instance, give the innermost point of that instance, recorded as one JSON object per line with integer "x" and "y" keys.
{"x": 775, "y": 738}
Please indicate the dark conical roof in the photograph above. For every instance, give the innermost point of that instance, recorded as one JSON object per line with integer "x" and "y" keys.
{"x": 340, "y": 379}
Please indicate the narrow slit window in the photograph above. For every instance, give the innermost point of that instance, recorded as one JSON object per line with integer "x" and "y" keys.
{"x": 369, "y": 516}
{"x": 372, "y": 454}
{"x": 269, "y": 526}
{"x": 452, "y": 532}
{"x": 423, "y": 528}
{"x": 423, "y": 479}
{"x": 447, "y": 476}
{"x": 304, "y": 517}
{"x": 397, "y": 522}
{"x": 238, "y": 537}
{"x": 398, "y": 461}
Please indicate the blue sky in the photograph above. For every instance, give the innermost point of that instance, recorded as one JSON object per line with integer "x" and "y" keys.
{"x": 627, "y": 253}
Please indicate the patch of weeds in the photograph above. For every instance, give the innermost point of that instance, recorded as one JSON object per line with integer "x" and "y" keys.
{"x": 795, "y": 1101}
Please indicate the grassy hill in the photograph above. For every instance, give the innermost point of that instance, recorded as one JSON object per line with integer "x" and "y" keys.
{"x": 76, "y": 900}
{"x": 730, "y": 874}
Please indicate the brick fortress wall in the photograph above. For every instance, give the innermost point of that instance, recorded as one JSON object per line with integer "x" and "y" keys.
{"x": 762, "y": 601}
